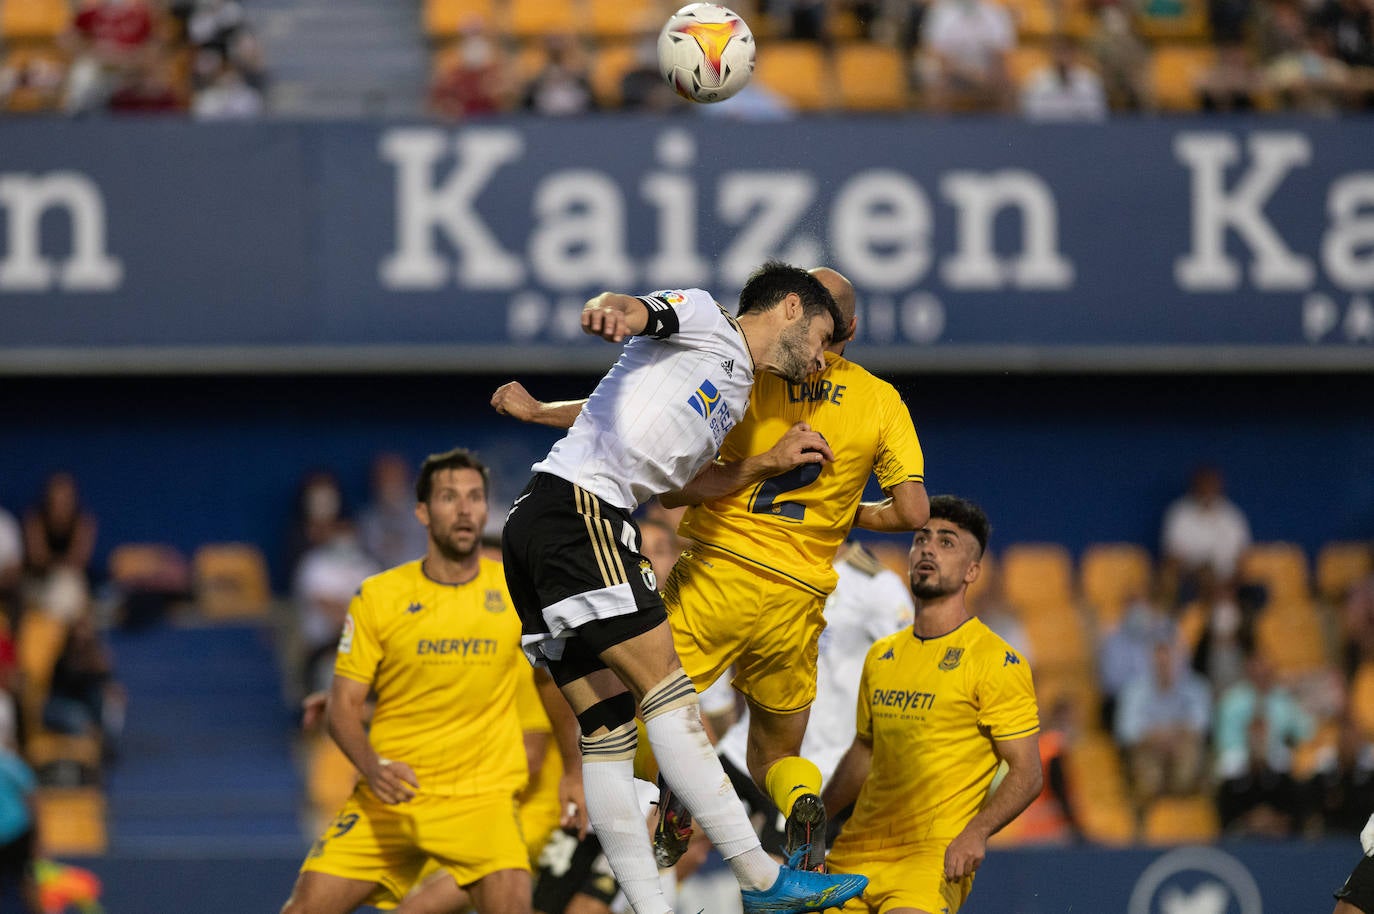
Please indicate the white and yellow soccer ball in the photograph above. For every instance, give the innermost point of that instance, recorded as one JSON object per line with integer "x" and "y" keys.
{"x": 706, "y": 52}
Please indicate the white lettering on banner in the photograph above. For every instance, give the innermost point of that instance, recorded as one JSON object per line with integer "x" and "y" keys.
{"x": 880, "y": 229}
{"x": 978, "y": 199}
{"x": 89, "y": 267}
{"x": 579, "y": 232}
{"x": 776, "y": 200}
{"x": 1207, "y": 267}
{"x": 422, "y": 207}
{"x": 675, "y": 263}
{"x": 1350, "y": 232}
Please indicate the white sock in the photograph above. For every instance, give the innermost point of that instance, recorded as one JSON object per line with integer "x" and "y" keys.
{"x": 667, "y": 883}
{"x": 619, "y": 824}
{"x": 692, "y": 769}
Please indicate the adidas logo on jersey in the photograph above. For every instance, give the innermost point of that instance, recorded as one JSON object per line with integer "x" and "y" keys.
{"x": 729, "y": 366}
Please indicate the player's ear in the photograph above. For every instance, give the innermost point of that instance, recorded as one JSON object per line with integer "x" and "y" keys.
{"x": 973, "y": 571}
{"x": 422, "y": 513}
{"x": 792, "y": 306}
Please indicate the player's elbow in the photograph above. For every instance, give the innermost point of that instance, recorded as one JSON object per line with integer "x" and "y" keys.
{"x": 913, "y": 507}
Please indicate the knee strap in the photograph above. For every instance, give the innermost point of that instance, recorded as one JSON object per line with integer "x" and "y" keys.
{"x": 611, "y": 713}
{"x": 616, "y": 746}
{"x": 675, "y": 691}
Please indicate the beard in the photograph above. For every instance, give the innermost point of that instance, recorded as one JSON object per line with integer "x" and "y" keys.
{"x": 794, "y": 353}
{"x": 929, "y": 587}
{"x": 451, "y": 548}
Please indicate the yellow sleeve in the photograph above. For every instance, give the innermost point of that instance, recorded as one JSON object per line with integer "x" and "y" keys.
{"x": 360, "y": 648}
{"x": 1006, "y": 696}
{"x": 899, "y": 450}
{"x": 533, "y": 717}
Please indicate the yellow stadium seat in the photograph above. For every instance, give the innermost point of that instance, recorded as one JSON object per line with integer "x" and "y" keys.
{"x": 1039, "y": 19}
{"x": 231, "y": 581}
{"x": 623, "y": 18}
{"x": 1181, "y": 820}
{"x": 330, "y": 776}
{"x": 1025, "y": 60}
{"x": 797, "y": 71}
{"x": 1077, "y": 685}
{"x": 1172, "y": 20}
{"x": 1340, "y": 566}
{"x": 22, "y": 20}
{"x": 1110, "y": 822}
{"x": 1175, "y": 72}
{"x": 1111, "y": 575}
{"x": 1059, "y": 642}
{"x": 1280, "y": 567}
{"x": 1038, "y": 578}
{"x": 444, "y": 19}
{"x": 609, "y": 66}
{"x": 1292, "y": 636}
{"x": 1192, "y": 623}
{"x": 39, "y": 643}
{"x": 1362, "y": 698}
{"x": 536, "y": 18}
{"x": 71, "y": 821}
{"x": 871, "y": 77}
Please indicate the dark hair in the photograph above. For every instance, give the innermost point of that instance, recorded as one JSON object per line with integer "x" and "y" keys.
{"x": 775, "y": 280}
{"x": 965, "y": 514}
{"x": 460, "y": 458}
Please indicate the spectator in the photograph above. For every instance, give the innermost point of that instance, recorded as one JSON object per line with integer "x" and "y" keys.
{"x": 227, "y": 97}
{"x": 1308, "y": 77}
{"x": 85, "y": 699}
{"x": 1203, "y": 530}
{"x": 1126, "y": 653}
{"x": 1357, "y": 626}
{"x": 475, "y": 81}
{"x": 1051, "y": 819}
{"x": 1343, "y": 784}
{"x": 1225, "y": 632}
{"x": 1121, "y": 56}
{"x": 319, "y": 510}
{"x": 327, "y": 579}
{"x": 643, "y": 87}
{"x": 11, "y": 565}
{"x": 387, "y": 525}
{"x": 800, "y": 20}
{"x": 108, "y": 40}
{"x": 965, "y": 61}
{"x": 58, "y": 532}
{"x": 1161, "y": 724}
{"x": 1231, "y": 83}
{"x": 1066, "y": 90}
{"x": 563, "y": 86}
{"x": 1258, "y": 724}
{"x": 146, "y": 89}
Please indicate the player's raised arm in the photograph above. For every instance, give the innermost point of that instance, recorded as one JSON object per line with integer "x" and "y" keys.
{"x": 613, "y": 316}
{"x": 1023, "y": 783}
{"x": 907, "y": 507}
{"x": 799, "y": 444}
{"x": 512, "y": 399}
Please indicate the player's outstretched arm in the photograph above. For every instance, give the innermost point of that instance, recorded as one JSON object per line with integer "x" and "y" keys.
{"x": 907, "y": 507}
{"x": 512, "y": 399}
{"x": 391, "y": 781}
{"x": 1022, "y": 784}
{"x": 798, "y": 445}
{"x": 613, "y": 316}
{"x": 843, "y": 786}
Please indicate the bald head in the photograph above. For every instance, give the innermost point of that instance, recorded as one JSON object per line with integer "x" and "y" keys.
{"x": 842, "y": 290}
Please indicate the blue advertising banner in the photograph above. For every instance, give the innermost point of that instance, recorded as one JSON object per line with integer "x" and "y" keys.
{"x": 1187, "y": 244}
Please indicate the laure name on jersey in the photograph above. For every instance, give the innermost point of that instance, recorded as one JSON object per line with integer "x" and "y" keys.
{"x": 813, "y": 391}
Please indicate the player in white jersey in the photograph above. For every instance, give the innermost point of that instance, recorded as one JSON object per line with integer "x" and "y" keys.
{"x": 583, "y": 589}
{"x": 869, "y": 602}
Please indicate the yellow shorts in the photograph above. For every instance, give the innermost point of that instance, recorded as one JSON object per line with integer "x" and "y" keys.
{"x": 916, "y": 880}
{"x": 723, "y": 612}
{"x": 470, "y": 837}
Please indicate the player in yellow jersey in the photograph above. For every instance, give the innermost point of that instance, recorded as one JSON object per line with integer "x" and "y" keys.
{"x": 750, "y": 591}
{"x": 441, "y": 767}
{"x": 941, "y": 705}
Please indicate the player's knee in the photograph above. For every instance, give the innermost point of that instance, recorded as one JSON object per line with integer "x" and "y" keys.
{"x": 611, "y": 714}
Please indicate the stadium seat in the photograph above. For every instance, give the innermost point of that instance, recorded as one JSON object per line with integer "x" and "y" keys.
{"x": 871, "y": 77}
{"x": 1172, "y": 20}
{"x": 797, "y": 71}
{"x": 1292, "y": 636}
{"x": 330, "y": 776}
{"x": 1038, "y": 578}
{"x": 1040, "y": 19}
{"x": 1108, "y": 822}
{"x": 623, "y": 18}
{"x": 1024, "y": 60}
{"x": 537, "y": 18}
{"x": 1362, "y": 698}
{"x": 1340, "y": 566}
{"x": 1111, "y": 575}
{"x": 144, "y": 564}
{"x": 1094, "y": 768}
{"x": 445, "y": 18}
{"x": 1076, "y": 685}
{"x": 1280, "y": 567}
{"x": 231, "y": 581}
{"x": 1181, "y": 820}
{"x": 609, "y": 66}
{"x": 71, "y": 821}
{"x": 1059, "y": 641}
{"x": 40, "y": 642}
{"x": 28, "y": 20}
{"x": 1175, "y": 72}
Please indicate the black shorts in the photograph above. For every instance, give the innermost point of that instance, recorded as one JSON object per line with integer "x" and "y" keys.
{"x": 576, "y": 576}
{"x": 767, "y": 821}
{"x": 568, "y": 867}
{"x": 1359, "y": 886}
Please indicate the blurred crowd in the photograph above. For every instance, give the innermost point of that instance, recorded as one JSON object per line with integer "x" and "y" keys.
{"x": 130, "y": 57}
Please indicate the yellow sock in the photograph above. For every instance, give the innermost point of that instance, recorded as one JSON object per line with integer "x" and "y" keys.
{"x": 791, "y": 777}
{"x": 646, "y": 766}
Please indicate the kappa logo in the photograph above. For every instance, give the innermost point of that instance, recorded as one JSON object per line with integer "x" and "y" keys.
{"x": 414, "y": 608}
{"x": 1011, "y": 658}
{"x": 888, "y": 655}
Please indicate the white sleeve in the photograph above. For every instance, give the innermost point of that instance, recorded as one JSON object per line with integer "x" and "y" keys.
{"x": 1367, "y": 837}
{"x": 689, "y": 316}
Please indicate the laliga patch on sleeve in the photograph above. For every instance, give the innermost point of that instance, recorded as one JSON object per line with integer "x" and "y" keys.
{"x": 346, "y": 639}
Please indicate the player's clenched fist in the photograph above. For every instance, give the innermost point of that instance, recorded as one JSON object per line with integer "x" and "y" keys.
{"x": 512, "y": 399}
{"x": 613, "y": 317}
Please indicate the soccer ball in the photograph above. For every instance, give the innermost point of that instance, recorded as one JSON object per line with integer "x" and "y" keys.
{"x": 706, "y": 52}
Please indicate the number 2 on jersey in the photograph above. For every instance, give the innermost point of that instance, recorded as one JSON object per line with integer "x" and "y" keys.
{"x": 764, "y": 500}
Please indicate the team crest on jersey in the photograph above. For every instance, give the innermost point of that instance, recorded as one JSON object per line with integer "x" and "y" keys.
{"x": 494, "y": 603}
{"x": 706, "y": 400}
{"x": 346, "y": 639}
{"x": 952, "y": 658}
{"x": 646, "y": 571}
